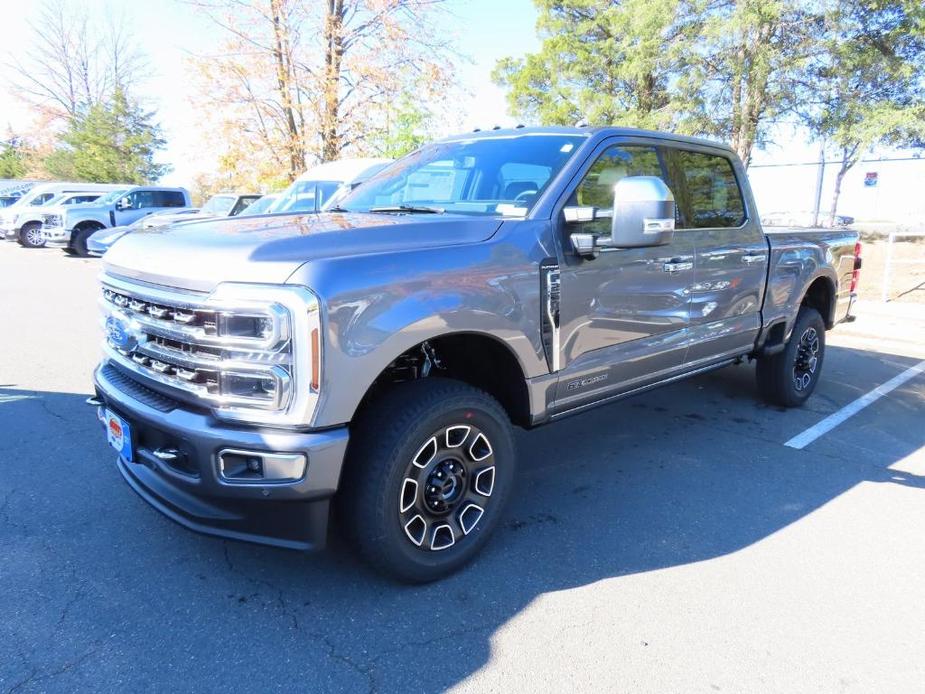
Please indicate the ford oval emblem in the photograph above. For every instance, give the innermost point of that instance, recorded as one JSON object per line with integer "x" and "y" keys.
{"x": 119, "y": 334}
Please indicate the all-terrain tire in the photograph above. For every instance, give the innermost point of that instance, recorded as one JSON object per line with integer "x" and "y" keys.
{"x": 429, "y": 469}
{"x": 789, "y": 377}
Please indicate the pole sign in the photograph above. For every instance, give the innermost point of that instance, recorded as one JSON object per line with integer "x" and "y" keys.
{"x": 870, "y": 179}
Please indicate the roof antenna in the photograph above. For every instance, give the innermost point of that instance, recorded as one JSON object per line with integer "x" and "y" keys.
{"x": 496, "y": 127}
{"x": 519, "y": 126}
{"x": 476, "y": 130}
{"x": 582, "y": 123}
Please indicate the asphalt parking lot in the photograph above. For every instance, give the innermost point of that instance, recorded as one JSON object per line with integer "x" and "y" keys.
{"x": 671, "y": 542}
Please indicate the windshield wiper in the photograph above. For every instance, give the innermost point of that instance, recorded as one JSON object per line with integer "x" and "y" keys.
{"x": 411, "y": 209}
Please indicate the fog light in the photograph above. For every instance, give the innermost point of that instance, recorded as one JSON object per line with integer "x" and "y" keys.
{"x": 257, "y": 467}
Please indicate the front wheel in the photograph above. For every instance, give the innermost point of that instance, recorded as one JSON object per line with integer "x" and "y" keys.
{"x": 429, "y": 470}
{"x": 30, "y": 236}
{"x": 78, "y": 245}
{"x": 789, "y": 377}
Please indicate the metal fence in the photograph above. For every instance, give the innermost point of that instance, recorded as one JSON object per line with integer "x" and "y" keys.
{"x": 890, "y": 262}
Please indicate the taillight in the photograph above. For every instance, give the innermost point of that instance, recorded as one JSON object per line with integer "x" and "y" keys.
{"x": 856, "y": 275}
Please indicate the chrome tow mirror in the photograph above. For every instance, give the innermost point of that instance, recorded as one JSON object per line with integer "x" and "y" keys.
{"x": 642, "y": 216}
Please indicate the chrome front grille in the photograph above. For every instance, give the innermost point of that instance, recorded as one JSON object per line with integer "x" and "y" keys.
{"x": 51, "y": 220}
{"x": 251, "y": 352}
{"x": 173, "y": 338}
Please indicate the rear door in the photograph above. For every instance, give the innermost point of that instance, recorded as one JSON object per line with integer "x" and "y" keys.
{"x": 730, "y": 270}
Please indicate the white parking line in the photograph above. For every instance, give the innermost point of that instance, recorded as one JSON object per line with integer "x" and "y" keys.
{"x": 833, "y": 420}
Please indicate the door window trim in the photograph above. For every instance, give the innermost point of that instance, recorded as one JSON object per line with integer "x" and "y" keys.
{"x": 659, "y": 144}
{"x": 746, "y": 206}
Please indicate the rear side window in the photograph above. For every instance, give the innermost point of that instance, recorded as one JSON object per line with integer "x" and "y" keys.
{"x": 706, "y": 192}
{"x": 168, "y": 198}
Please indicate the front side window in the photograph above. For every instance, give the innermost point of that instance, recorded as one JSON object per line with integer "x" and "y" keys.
{"x": 41, "y": 199}
{"x": 141, "y": 199}
{"x": 615, "y": 163}
{"x": 80, "y": 199}
{"x": 502, "y": 175}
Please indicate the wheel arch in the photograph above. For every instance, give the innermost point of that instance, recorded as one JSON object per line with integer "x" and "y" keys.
{"x": 820, "y": 295}
{"x": 479, "y": 359}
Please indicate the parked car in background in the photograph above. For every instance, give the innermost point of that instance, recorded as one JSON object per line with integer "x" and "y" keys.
{"x": 100, "y": 241}
{"x": 261, "y": 206}
{"x": 12, "y": 190}
{"x": 71, "y": 228}
{"x": 40, "y": 195}
{"x": 803, "y": 218}
{"x": 220, "y": 205}
{"x": 257, "y": 371}
{"x": 310, "y": 191}
{"x": 157, "y": 219}
{"x": 27, "y": 226}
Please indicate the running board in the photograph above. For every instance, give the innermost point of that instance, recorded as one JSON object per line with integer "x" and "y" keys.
{"x": 642, "y": 389}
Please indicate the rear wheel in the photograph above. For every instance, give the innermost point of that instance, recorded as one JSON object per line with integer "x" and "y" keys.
{"x": 79, "y": 241}
{"x": 789, "y": 377}
{"x": 30, "y": 236}
{"x": 429, "y": 470}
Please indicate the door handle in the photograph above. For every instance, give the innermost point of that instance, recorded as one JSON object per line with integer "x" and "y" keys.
{"x": 677, "y": 265}
{"x": 753, "y": 258}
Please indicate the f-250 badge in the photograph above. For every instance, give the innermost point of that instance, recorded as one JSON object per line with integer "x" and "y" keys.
{"x": 585, "y": 382}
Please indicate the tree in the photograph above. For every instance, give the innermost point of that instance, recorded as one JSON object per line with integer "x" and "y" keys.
{"x": 600, "y": 61}
{"x": 408, "y": 126}
{"x": 111, "y": 142}
{"x": 296, "y": 83}
{"x": 12, "y": 157}
{"x": 864, "y": 87}
{"x": 721, "y": 68}
{"x": 744, "y": 68}
{"x": 75, "y": 60}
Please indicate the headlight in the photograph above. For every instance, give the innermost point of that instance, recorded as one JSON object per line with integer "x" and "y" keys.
{"x": 251, "y": 352}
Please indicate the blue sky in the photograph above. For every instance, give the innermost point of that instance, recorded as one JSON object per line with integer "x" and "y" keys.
{"x": 170, "y": 30}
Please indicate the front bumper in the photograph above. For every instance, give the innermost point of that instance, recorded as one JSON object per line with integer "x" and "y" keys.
{"x": 291, "y": 514}
{"x": 56, "y": 237}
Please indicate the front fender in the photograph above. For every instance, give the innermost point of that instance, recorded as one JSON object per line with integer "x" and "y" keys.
{"x": 378, "y": 306}
{"x": 73, "y": 221}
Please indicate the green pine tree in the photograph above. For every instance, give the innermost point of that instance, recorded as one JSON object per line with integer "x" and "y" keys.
{"x": 116, "y": 141}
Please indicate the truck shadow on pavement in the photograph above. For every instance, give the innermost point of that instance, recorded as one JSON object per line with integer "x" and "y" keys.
{"x": 101, "y": 588}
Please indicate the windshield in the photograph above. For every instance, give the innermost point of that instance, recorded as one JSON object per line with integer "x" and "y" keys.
{"x": 219, "y": 205}
{"x": 480, "y": 176}
{"x": 305, "y": 196}
{"x": 258, "y": 206}
{"x": 111, "y": 196}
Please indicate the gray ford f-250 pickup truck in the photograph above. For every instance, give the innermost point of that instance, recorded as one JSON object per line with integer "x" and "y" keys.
{"x": 376, "y": 356}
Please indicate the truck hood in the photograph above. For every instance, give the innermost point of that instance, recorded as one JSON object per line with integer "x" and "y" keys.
{"x": 268, "y": 249}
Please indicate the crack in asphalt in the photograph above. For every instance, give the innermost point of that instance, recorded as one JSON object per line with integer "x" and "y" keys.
{"x": 332, "y": 651}
{"x": 35, "y": 675}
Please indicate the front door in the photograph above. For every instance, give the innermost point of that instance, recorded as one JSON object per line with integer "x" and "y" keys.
{"x": 140, "y": 203}
{"x": 624, "y": 315}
